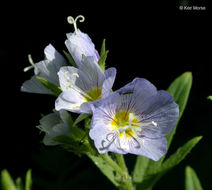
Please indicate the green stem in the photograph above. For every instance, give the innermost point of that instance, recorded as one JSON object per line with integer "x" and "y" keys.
{"x": 112, "y": 163}
{"x": 121, "y": 168}
{"x": 127, "y": 178}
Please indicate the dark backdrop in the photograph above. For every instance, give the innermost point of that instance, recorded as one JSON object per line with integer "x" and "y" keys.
{"x": 152, "y": 40}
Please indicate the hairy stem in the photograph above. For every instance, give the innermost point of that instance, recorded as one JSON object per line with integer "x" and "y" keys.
{"x": 113, "y": 164}
{"x": 127, "y": 180}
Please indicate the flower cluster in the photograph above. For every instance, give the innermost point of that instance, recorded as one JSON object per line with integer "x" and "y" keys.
{"x": 134, "y": 119}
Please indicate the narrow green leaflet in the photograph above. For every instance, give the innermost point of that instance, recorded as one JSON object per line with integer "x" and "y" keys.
{"x": 191, "y": 180}
{"x": 179, "y": 89}
{"x": 102, "y": 60}
{"x": 28, "y": 181}
{"x": 70, "y": 59}
{"x": 19, "y": 184}
{"x": 106, "y": 169}
{"x": 103, "y": 48}
{"x": 77, "y": 142}
{"x": 103, "y": 56}
{"x": 152, "y": 176}
{"x": 55, "y": 89}
{"x": 69, "y": 144}
{"x": 180, "y": 154}
{"x": 7, "y": 181}
{"x": 80, "y": 118}
{"x": 209, "y": 97}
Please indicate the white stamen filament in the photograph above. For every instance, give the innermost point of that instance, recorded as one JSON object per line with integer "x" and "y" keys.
{"x": 146, "y": 124}
{"x": 73, "y": 21}
{"x": 73, "y": 86}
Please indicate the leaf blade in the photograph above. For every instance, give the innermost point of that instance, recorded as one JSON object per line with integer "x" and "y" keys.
{"x": 141, "y": 166}
{"x": 191, "y": 180}
{"x": 107, "y": 170}
{"x": 150, "y": 179}
{"x": 28, "y": 180}
{"x": 180, "y": 154}
{"x": 180, "y": 90}
{"x": 7, "y": 181}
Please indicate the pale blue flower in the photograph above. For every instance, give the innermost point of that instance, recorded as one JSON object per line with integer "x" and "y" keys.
{"x": 53, "y": 125}
{"x": 134, "y": 120}
{"x": 83, "y": 86}
{"x": 80, "y": 44}
{"x": 47, "y": 69}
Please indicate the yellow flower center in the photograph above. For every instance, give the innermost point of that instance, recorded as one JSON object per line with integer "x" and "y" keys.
{"x": 94, "y": 94}
{"x": 120, "y": 122}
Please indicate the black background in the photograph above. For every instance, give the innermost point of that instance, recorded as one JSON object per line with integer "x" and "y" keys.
{"x": 151, "y": 40}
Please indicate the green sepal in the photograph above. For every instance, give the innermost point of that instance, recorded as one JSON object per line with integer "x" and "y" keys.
{"x": 102, "y": 60}
{"x": 70, "y": 58}
{"x": 103, "y": 56}
{"x": 87, "y": 123}
{"x": 80, "y": 118}
{"x": 103, "y": 47}
{"x": 77, "y": 141}
{"x": 191, "y": 180}
{"x": 52, "y": 87}
{"x": 7, "y": 181}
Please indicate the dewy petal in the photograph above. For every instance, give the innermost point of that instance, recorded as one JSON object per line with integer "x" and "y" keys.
{"x": 88, "y": 76}
{"x": 104, "y": 138}
{"x": 155, "y": 115}
{"x": 157, "y": 111}
{"x": 49, "y": 67}
{"x": 34, "y": 86}
{"x": 110, "y": 75}
{"x": 161, "y": 112}
{"x": 81, "y": 81}
{"x": 80, "y": 44}
{"x": 71, "y": 77}
{"x": 139, "y": 86}
{"x": 93, "y": 72}
{"x": 46, "y": 69}
{"x": 70, "y": 100}
{"x": 106, "y": 108}
{"x": 150, "y": 148}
